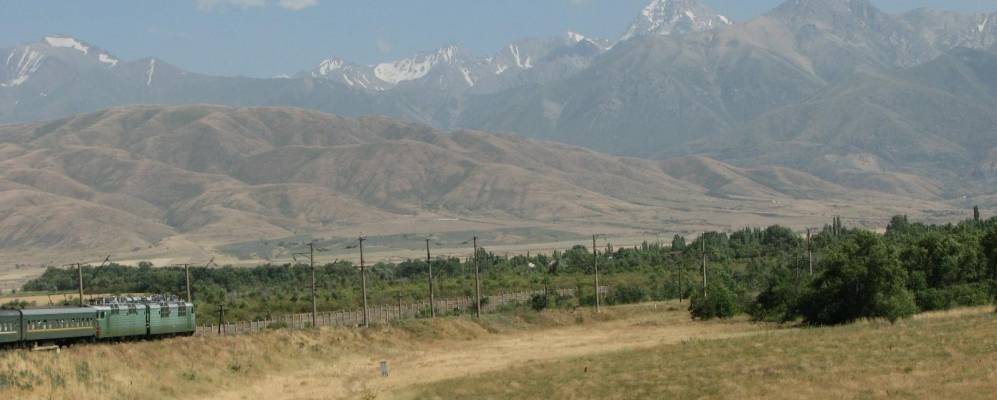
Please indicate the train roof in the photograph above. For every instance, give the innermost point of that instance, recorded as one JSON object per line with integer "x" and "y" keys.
{"x": 171, "y": 304}
{"x": 111, "y": 306}
{"x": 57, "y": 311}
{"x": 140, "y": 300}
{"x": 9, "y": 313}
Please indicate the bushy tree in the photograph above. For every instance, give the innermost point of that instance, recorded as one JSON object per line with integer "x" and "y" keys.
{"x": 989, "y": 247}
{"x": 779, "y": 300}
{"x": 678, "y": 243}
{"x": 862, "y": 278}
{"x": 717, "y": 302}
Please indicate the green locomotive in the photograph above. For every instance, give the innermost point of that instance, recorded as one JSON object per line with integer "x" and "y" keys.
{"x": 106, "y": 319}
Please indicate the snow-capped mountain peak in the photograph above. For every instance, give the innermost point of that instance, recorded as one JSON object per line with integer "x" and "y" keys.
{"x": 417, "y": 67}
{"x": 23, "y": 61}
{"x": 67, "y": 42}
{"x": 576, "y": 37}
{"x": 675, "y": 17}
{"x": 350, "y": 74}
{"x": 328, "y": 66}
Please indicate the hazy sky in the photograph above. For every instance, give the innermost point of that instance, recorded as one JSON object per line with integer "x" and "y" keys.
{"x": 270, "y": 37}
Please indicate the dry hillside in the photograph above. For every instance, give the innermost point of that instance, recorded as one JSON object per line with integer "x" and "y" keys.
{"x": 161, "y": 182}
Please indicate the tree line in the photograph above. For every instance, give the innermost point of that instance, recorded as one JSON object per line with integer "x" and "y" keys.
{"x": 763, "y": 272}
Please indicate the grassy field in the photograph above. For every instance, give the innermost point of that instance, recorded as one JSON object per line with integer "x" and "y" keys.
{"x": 340, "y": 363}
{"x": 644, "y": 351}
{"x": 946, "y": 355}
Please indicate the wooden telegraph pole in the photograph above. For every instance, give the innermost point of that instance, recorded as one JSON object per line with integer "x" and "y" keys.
{"x": 363, "y": 284}
{"x": 432, "y": 297}
{"x": 79, "y": 275}
{"x": 221, "y": 317}
{"x": 595, "y": 267}
{"x": 311, "y": 260}
{"x": 186, "y": 277}
{"x": 810, "y": 252}
{"x": 186, "y": 273}
{"x": 477, "y": 280}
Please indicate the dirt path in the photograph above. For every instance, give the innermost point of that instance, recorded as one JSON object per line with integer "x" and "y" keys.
{"x": 357, "y": 375}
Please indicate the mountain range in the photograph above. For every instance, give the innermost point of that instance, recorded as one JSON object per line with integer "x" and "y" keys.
{"x": 814, "y": 105}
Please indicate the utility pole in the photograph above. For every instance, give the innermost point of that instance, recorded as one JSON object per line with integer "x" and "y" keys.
{"x": 432, "y": 296}
{"x": 79, "y": 274}
{"x": 810, "y": 252}
{"x": 477, "y": 280}
{"x": 311, "y": 260}
{"x": 681, "y": 274}
{"x": 186, "y": 273}
{"x": 221, "y": 317}
{"x": 595, "y": 267}
{"x": 363, "y": 282}
{"x": 704, "y": 262}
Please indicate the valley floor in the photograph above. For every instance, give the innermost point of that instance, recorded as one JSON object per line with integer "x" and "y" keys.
{"x": 645, "y": 351}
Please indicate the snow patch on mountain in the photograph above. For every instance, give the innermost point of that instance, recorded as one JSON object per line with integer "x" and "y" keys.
{"x": 328, "y": 66}
{"x": 467, "y": 76}
{"x": 27, "y": 64}
{"x": 150, "y": 72}
{"x": 520, "y": 62}
{"x": 403, "y": 70}
{"x": 67, "y": 42}
{"x": 983, "y": 25}
{"x": 107, "y": 59}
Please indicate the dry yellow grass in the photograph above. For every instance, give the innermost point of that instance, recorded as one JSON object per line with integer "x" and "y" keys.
{"x": 341, "y": 363}
{"x": 646, "y": 351}
{"x": 951, "y": 355}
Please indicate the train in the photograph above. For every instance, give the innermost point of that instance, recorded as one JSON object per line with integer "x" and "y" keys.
{"x": 110, "y": 319}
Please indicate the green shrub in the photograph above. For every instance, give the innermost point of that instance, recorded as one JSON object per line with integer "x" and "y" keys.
{"x": 627, "y": 294}
{"x": 954, "y": 296}
{"x": 779, "y": 300}
{"x": 719, "y": 302}
{"x": 539, "y": 302}
{"x": 933, "y": 299}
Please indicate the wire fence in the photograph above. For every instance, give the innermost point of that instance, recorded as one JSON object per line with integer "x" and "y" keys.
{"x": 380, "y": 313}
